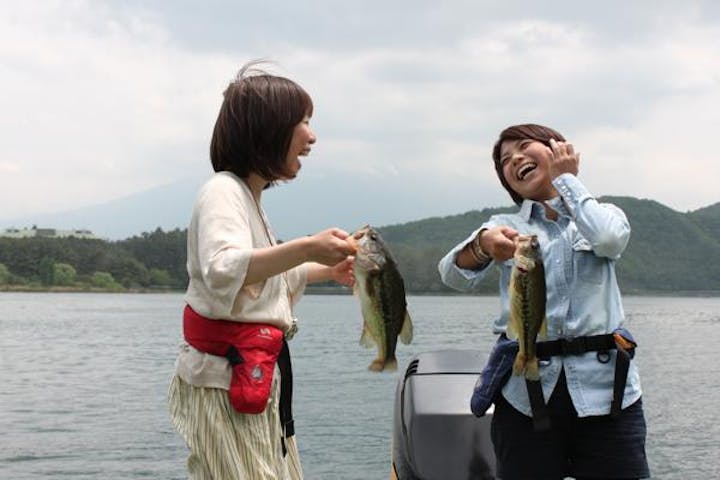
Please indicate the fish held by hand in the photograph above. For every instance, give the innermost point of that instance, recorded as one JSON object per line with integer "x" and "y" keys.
{"x": 381, "y": 290}
{"x": 527, "y": 305}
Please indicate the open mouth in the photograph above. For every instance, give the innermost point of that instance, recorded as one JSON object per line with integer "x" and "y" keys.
{"x": 524, "y": 170}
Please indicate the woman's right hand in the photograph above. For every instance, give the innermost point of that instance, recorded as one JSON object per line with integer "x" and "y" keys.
{"x": 498, "y": 242}
{"x": 329, "y": 247}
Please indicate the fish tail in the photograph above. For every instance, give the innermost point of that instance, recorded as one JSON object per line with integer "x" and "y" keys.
{"x": 532, "y": 369}
{"x": 386, "y": 365}
{"x": 520, "y": 364}
{"x": 377, "y": 365}
{"x": 390, "y": 364}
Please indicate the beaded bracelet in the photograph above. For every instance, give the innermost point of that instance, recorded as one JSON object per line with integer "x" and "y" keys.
{"x": 477, "y": 253}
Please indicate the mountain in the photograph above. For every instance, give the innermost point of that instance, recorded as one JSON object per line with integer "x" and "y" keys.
{"x": 668, "y": 251}
{"x": 295, "y": 208}
{"x": 709, "y": 217}
{"x": 167, "y": 207}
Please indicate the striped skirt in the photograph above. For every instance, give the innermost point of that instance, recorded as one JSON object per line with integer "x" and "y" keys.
{"x": 227, "y": 445}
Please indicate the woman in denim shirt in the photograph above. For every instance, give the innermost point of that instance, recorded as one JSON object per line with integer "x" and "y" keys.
{"x": 580, "y": 239}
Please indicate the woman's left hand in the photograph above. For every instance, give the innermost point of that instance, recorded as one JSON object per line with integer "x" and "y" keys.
{"x": 342, "y": 272}
{"x": 565, "y": 159}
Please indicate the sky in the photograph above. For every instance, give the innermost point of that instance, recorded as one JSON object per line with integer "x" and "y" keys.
{"x": 105, "y": 99}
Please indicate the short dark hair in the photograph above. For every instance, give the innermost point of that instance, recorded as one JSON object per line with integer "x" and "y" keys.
{"x": 255, "y": 124}
{"x": 520, "y": 132}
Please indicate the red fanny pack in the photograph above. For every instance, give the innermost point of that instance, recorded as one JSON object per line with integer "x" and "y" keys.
{"x": 251, "y": 348}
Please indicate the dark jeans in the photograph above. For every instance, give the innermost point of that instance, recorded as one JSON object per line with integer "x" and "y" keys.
{"x": 598, "y": 447}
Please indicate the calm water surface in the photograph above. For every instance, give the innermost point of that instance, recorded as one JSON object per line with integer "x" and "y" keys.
{"x": 84, "y": 381}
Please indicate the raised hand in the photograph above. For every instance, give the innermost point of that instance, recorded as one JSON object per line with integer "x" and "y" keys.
{"x": 564, "y": 159}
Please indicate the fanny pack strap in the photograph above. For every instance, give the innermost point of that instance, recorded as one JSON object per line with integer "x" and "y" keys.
{"x": 601, "y": 344}
{"x": 287, "y": 424}
{"x": 540, "y": 414}
{"x": 622, "y": 366}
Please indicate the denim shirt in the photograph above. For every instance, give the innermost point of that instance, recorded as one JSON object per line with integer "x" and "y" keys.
{"x": 579, "y": 252}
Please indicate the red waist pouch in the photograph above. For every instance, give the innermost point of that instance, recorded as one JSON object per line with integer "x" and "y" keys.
{"x": 251, "y": 348}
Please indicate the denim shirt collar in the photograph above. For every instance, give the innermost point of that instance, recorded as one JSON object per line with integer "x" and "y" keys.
{"x": 529, "y": 206}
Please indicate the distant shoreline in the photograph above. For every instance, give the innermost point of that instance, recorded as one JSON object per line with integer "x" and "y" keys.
{"x": 330, "y": 291}
{"x": 85, "y": 289}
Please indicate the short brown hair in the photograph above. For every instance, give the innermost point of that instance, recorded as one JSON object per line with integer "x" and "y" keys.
{"x": 520, "y": 132}
{"x": 255, "y": 124}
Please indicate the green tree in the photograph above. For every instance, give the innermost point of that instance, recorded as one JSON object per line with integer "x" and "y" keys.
{"x": 160, "y": 278}
{"x": 104, "y": 280}
{"x": 161, "y": 250}
{"x": 64, "y": 274}
{"x": 128, "y": 271}
{"x": 46, "y": 271}
{"x": 4, "y": 274}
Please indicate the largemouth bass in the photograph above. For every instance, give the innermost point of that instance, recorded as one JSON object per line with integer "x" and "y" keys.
{"x": 527, "y": 305}
{"x": 381, "y": 291}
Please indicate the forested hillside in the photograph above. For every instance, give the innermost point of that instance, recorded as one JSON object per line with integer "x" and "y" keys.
{"x": 669, "y": 252}
{"x": 152, "y": 260}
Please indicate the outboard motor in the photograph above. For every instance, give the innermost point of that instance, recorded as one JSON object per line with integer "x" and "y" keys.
{"x": 435, "y": 435}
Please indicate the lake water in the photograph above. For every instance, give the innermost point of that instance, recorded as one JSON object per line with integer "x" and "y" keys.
{"x": 84, "y": 380}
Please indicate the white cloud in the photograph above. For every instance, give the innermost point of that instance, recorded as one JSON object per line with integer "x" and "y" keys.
{"x": 101, "y": 101}
{"x": 96, "y": 103}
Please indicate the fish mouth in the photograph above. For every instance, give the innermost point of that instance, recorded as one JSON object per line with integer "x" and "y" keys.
{"x": 525, "y": 169}
{"x": 360, "y": 233}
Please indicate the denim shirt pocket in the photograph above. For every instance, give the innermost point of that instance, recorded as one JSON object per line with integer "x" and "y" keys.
{"x": 587, "y": 267}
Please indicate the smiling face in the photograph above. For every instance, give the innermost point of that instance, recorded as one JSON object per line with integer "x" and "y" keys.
{"x": 525, "y": 166}
{"x": 300, "y": 146}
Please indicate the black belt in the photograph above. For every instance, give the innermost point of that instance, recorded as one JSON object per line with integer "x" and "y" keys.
{"x": 575, "y": 346}
{"x": 578, "y": 346}
{"x": 287, "y": 423}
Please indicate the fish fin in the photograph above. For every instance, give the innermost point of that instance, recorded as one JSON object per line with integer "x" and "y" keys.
{"x": 532, "y": 369}
{"x": 376, "y": 365}
{"x": 511, "y": 332}
{"x": 366, "y": 339}
{"x": 543, "y": 328}
{"x": 406, "y": 332}
{"x": 520, "y": 364}
{"x": 386, "y": 365}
